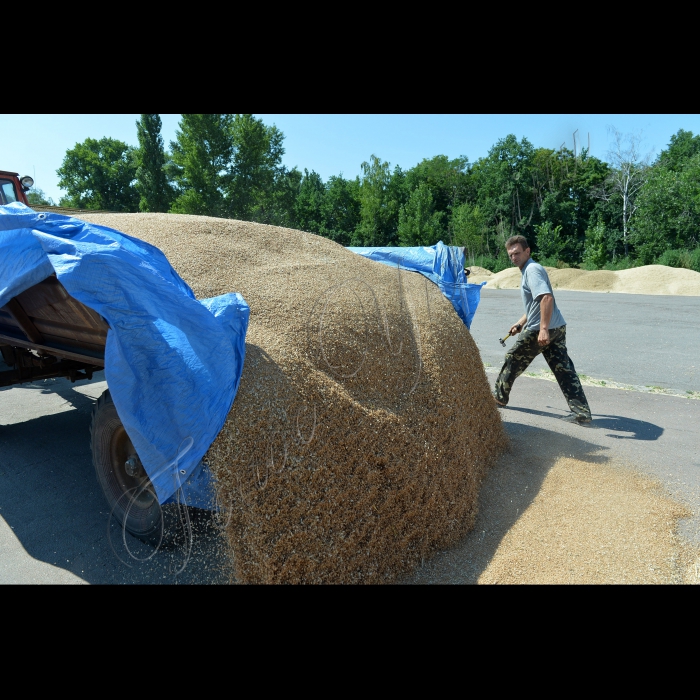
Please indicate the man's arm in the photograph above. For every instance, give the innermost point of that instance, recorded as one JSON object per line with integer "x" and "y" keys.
{"x": 546, "y": 309}
{"x": 518, "y": 326}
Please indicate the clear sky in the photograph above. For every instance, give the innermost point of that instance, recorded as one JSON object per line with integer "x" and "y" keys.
{"x": 331, "y": 144}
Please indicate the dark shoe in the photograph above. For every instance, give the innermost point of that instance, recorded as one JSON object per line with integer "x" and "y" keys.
{"x": 498, "y": 403}
{"x": 575, "y": 418}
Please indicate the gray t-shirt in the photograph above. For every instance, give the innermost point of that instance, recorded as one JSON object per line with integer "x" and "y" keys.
{"x": 535, "y": 282}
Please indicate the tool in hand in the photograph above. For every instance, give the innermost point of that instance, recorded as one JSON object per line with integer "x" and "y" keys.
{"x": 502, "y": 341}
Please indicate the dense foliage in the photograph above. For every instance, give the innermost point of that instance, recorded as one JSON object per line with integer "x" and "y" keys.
{"x": 151, "y": 180}
{"x": 100, "y": 175}
{"x": 37, "y": 196}
{"x": 575, "y": 209}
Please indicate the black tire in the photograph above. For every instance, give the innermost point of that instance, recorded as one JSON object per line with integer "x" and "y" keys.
{"x": 131, "y": 497}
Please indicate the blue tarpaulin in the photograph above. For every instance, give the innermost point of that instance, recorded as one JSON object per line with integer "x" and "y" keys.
{"x": 173, "y": 364}
{"x": 442, "y": 264}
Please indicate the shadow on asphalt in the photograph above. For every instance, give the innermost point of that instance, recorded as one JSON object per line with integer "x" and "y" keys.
{"x": 506, "y": 492}
{"x": 50, "y": 496}
{"x": 65, "y": 389}
{"x": 640, "y": 429}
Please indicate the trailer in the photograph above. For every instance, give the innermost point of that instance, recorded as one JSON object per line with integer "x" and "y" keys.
{"x": 77, "y": 299}
{"x": 46, "y": 333}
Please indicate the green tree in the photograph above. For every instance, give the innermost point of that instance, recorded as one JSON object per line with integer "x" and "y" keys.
{"x": 341, "y": 208}
{"x": 309, "y": 204}
{"x": 37, "y": 196}
{"x": 504, "y": 189}
{"x": 100, "y": 174}
{"x": 419, "y": 223}
{"x": 256, "y": 169}
{"x": 155, "y": 191}
{"x": 448, "y": 181}
{"x": 594, "y": 253}
{"x": 668, "y": 214}
{"x": 279, "y": 209}
{"x": 564, "y": 184}
{"x": 626, "y": 177}
{"x": 682, "y": 147}
{"x": 201, "y": 164}
{"x": 468, "y": 225}
{"x": 381, "y": 195}
{"x": 550, "y": 242}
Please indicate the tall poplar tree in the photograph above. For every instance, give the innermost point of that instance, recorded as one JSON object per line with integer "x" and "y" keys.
{"x": 151, "y": 181}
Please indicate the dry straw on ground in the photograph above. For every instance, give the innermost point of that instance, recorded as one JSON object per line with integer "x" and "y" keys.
{"x": 364, "y": 422}
{"x": 650, "y": 279}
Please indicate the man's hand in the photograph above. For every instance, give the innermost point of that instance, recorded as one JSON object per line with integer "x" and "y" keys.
{"x": 516, "y": 328}
{"x": 546, "y": 308}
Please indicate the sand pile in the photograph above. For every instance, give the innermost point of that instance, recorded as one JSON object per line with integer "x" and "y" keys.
{"x": 364, "y": 422}
{"x": 650, "y": 279}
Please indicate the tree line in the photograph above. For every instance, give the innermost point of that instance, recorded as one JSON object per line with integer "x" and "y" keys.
{"x": 575, "y": 209}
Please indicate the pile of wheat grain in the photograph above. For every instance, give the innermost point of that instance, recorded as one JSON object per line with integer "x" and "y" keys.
{"x": 364, "y": 422}
{"x": 649, "y": 279}
{"x": 557, "y": 509}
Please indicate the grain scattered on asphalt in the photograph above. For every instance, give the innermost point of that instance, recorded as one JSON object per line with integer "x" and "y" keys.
{"x": 549, "y": 517}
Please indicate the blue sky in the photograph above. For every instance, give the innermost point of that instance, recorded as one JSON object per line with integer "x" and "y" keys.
{"x": 330, "y": 144}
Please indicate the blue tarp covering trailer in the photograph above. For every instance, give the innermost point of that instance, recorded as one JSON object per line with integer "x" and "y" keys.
{"x": 443, "y": 265}
{"x": 173, "y": 363}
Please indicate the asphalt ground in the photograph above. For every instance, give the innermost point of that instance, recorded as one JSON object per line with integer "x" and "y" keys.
{"x": 55, "y": 525}
{"x": 54, "y": 521}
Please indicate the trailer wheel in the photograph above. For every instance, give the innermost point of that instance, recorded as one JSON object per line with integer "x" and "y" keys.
{"x": 130, "y": 495}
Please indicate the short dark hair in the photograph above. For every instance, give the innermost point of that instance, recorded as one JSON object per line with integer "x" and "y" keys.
{"x": 517, "y": 240}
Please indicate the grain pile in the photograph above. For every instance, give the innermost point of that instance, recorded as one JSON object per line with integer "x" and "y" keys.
{"x": 594, "y": 523}
{"x": 650, "y": 279}
{"x": 558, "y": 510}
{"x": 479, "y": 273}
{"x": 364, "y": 422}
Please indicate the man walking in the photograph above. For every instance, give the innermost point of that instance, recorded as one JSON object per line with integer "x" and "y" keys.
{"x": 543, "y": 331}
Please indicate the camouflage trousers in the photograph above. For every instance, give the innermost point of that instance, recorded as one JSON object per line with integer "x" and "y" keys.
{"x": 525, "y": 350}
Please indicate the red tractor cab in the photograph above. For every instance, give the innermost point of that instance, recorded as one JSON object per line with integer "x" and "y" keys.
{"x": 13, "y": 189}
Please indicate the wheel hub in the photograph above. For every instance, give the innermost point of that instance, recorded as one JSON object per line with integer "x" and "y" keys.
{"x": 133, "y": 466}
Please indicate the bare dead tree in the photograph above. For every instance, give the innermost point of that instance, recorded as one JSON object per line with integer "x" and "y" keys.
{"x": 629, "y": 172}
